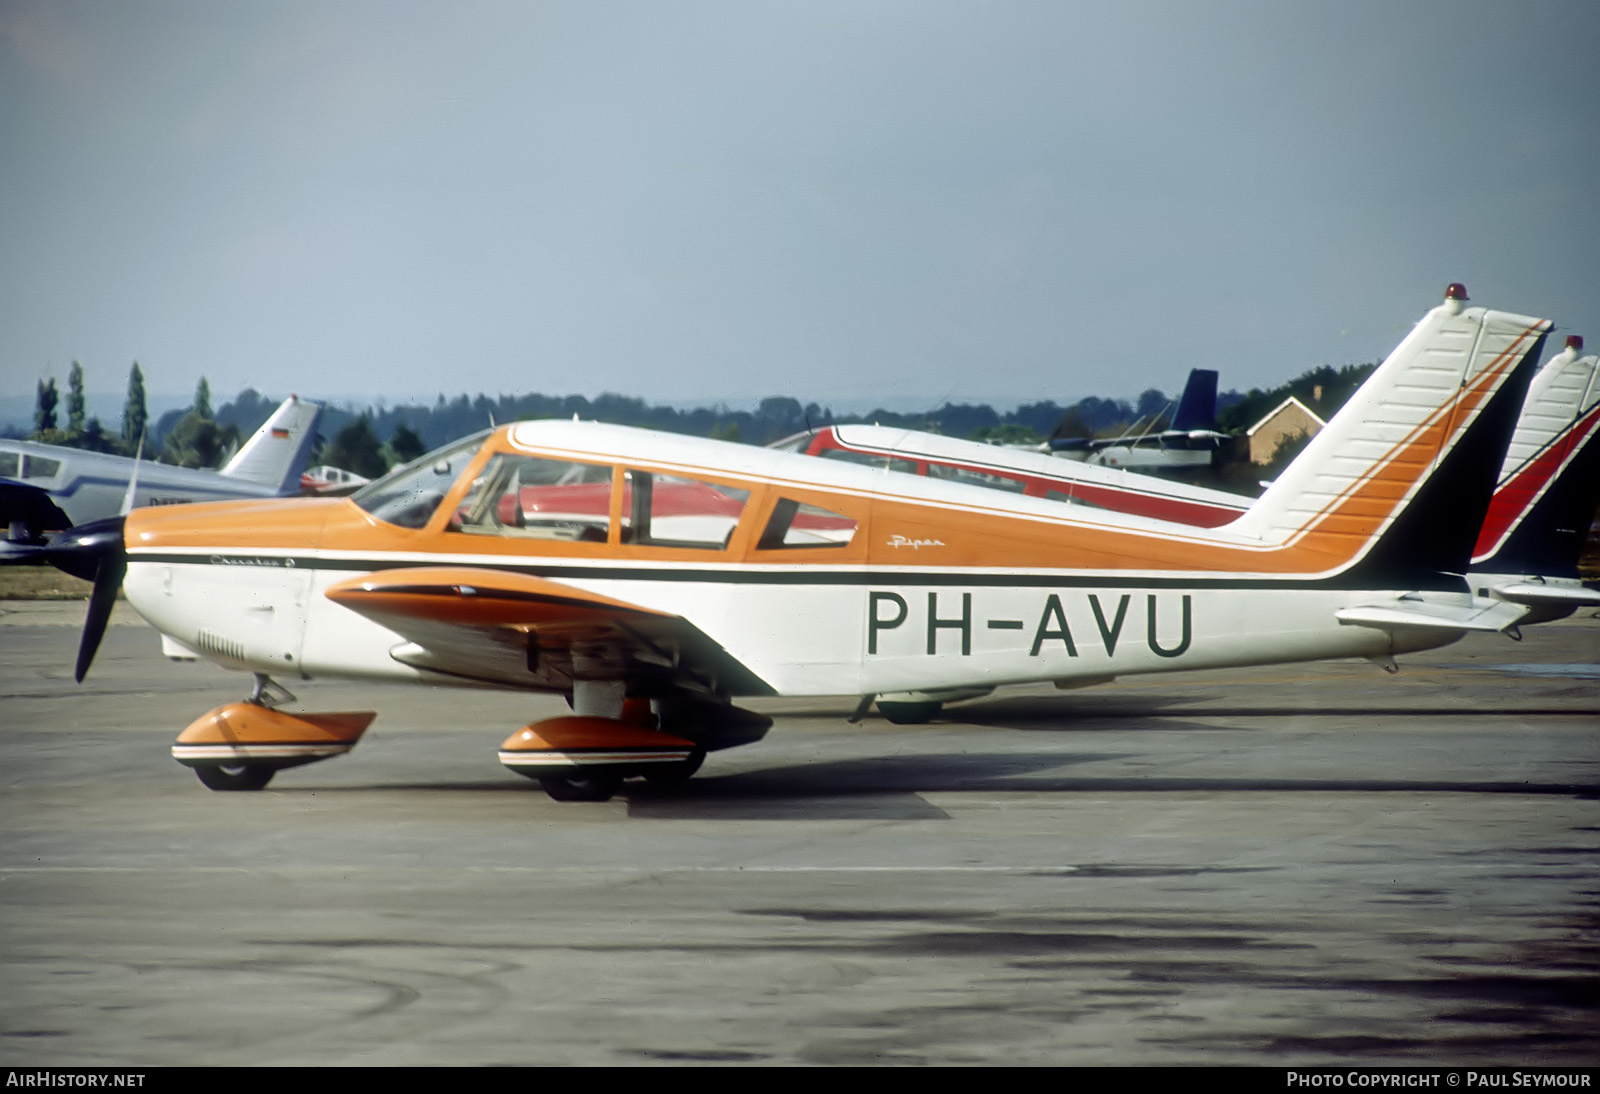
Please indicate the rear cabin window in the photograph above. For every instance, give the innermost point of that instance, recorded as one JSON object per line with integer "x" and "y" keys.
{"x": 10, "y": 464}
{"x": 533, "y": 497}
{"x": 670, "y": 511}
{"x": 870, "y": 459}
{"x": 797, "y": 524}
{"x": 976, "y": 478}
{"x": 1057, "y": 495}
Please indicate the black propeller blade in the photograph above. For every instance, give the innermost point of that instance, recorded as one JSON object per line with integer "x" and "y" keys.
{"x": 94, "y": 552}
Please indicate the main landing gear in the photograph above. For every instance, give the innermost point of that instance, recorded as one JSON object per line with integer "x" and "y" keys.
{"x": 583, "y": 758}
{"x": 915, "y": 708}
{"x": 586, "y": 755}
{"x": 241, "y": 745}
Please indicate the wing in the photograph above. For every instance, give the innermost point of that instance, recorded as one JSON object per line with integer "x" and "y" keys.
{"x": 515, "y": 630}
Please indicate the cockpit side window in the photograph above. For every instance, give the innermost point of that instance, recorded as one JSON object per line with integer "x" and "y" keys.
{"x": 409, "y": 495}
{"x": 40, "y": 467}
{"x": 10, "y": 465}
{"x": 535, "y": 497}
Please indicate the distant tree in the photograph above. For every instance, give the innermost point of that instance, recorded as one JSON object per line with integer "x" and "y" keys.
{"x": 193, "y": 442}
{"x": 1151, "y": 403}
{"x": 76, "y": 403}
{"x": 1073, "y": 424}
{"x": 134, "y": 415}
{"x": 44, "y": 411}
{"x": 202, "y": 398}
{"x": 406, "y": 445}
{"x": 1006, "y": 433}
{"x": 355, "y": 448}
{"x": 727, "y": 431}
{"x": 778, "y": 416}
{"x": 95, "y": 438}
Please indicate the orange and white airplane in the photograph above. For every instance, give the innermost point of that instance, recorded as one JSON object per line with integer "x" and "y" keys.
{"x": 807, "y": 577}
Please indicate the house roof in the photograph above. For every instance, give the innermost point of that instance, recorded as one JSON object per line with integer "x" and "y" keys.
{"x": 1280, "y": 408}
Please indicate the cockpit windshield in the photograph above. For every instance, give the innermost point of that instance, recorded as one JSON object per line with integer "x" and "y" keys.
{"x": 409, "y": 494}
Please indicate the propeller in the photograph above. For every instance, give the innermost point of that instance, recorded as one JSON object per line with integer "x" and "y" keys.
{"x": 94, "y": 552}
{"x": 98, "y": 549}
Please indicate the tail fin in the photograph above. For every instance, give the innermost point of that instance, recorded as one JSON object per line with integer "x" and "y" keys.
{"x": 1549, "y": 484}
{"x": 1394, "y": 489}
{"x": 1197, "y": 408}
{"x": 280, "y": 449}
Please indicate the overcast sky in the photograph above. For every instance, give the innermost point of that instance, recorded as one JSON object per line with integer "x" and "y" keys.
{"x": 844, "y": 202}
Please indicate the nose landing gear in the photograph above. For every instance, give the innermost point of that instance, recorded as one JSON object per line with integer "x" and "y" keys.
{"x": 241, "y": 745}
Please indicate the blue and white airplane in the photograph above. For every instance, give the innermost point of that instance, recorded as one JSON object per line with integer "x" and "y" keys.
{"x": 46, "y": 488}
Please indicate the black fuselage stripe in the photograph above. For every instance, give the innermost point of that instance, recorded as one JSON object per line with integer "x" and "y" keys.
{"x": 742, "y": 576}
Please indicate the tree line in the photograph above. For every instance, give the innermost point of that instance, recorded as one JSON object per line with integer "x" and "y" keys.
{"x": 352, "y": 438}
{"x": 90, "y": 434}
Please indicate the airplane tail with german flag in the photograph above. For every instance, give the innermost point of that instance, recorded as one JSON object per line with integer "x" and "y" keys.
{"x": 280, "y": 449}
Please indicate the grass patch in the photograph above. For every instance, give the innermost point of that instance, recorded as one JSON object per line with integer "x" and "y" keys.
{"x": 40, "y": 583}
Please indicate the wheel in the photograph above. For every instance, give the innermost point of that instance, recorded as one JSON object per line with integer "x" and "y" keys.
{"x": 910, "y": 714}
{"x": 235, "y": 776}
{"x": 676, "y": 772}
{"x": 580, "y": 788}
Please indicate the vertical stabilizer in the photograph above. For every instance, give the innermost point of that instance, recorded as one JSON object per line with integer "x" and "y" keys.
{"x": 1197, "y": 408}
{"x": 280, "y": 449}
{"x": 1401, "y": 477}
{"x": 1549, "y": 484}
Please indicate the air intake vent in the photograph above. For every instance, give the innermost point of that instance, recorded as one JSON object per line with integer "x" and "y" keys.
{"x": 213, "y": 643}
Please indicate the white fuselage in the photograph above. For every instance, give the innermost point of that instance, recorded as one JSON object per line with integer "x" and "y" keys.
{"x": 255, "y": 611}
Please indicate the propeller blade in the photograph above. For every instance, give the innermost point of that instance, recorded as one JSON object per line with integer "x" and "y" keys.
{"x": 106, "y": 583}
{"x": 94, "y": 552}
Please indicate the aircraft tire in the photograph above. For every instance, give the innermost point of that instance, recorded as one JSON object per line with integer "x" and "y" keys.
{"x": 910, "y": 714}
{"x": 234, "y": 776}
{"x": 678, "y": 772}
{"x": 580, "y": 788}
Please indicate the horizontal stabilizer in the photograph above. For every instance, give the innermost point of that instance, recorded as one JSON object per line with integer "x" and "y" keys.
{"x": 1541, "y": 595}
{"x": 1480, "y": 614}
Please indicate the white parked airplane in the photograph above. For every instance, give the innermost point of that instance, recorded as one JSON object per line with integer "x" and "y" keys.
{"x": 326, "y": 481}
{"x": 655, "y": 578}
{"x": 45, "y": 488}
{"x": 1187, "y": 443}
